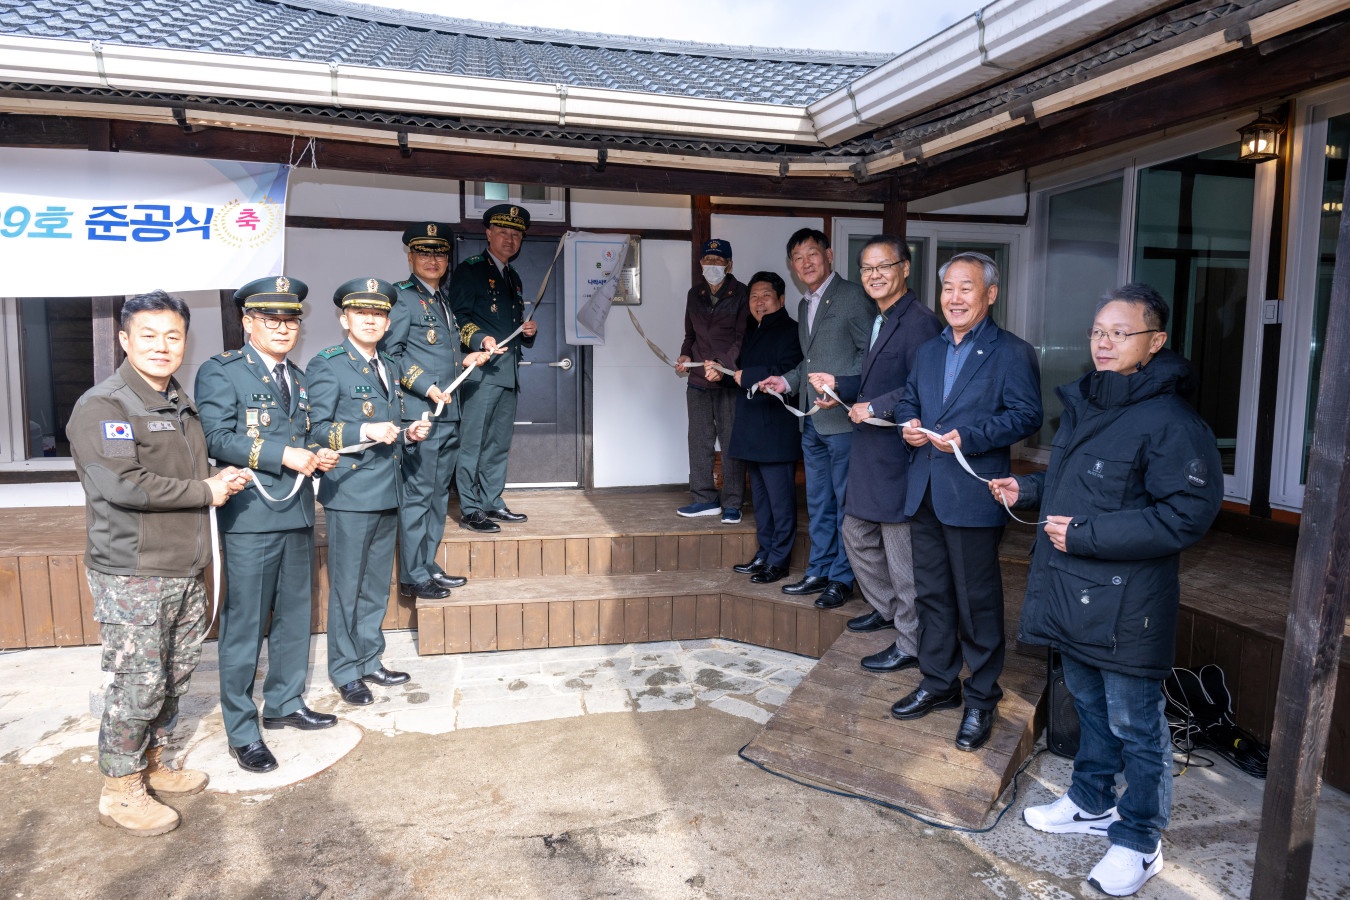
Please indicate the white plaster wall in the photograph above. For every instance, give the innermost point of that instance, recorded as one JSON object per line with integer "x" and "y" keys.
{"x": 640, "y": 422}
{"x": 619, "y": 209}
{"x": 759, "y": 243}
{"x": 1002, "y": 196}
{"x": 366, "y": 195}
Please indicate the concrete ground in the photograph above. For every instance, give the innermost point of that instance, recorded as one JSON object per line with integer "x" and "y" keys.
{"x": 578, "y": 772}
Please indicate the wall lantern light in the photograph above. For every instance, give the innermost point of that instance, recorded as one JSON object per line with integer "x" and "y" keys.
{"x": 1261, "y": 139}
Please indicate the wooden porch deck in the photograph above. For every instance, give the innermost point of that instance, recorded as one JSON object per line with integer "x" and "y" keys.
{"x": 618, "y": 566}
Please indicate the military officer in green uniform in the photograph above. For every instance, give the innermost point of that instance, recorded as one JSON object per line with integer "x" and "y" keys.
{"x": 255, "y": 412}
{"x": 424, "y": 338}
{"x": 486, "y": 298}
{"x": 355, "y": 399}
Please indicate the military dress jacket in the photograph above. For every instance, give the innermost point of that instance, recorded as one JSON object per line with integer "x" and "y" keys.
{"x": 247, "y": 426}
{"x": 344, "y": 394}
{"x": 423, "y": 339}
{"x": 489, "y": 303}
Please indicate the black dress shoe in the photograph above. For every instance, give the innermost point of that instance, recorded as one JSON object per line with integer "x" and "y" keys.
{"x": 479, "y": 522}
{"x": 835, "y": 595}
{"x": 254, "y": 757}
{"x": 811, "y": 584}
{"x": 889, "y": 660}
{"x": 919, "y": 703}
{"x": 303, "y": 718}
{"x": 449, "y": 581}
{"x": 758, "y": 564}
{"x": 386, "y": 677}
{"x": 769, "y": 574}
{"x": 505, "y": 515}
{"x": 424, "y": 590}
{"x": 356, "y": 693}
{"x": 976, "y": 725}
{"x": 872, "y": 621}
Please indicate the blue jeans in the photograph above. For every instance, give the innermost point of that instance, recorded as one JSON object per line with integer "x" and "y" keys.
{"x": 1122, "y": 729}
{"x": 826, "y": 464}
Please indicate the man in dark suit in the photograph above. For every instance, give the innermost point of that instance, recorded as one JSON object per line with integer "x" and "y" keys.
{"x": 876, "y": 529}
{"x": 424, "y": 338}
{"x": 255, "y": 412}
{"x": 978, "y": 388}
{"x": 834, "y": 323}
{"x": 355, "y": 399}
{"x": 487, "y": 300}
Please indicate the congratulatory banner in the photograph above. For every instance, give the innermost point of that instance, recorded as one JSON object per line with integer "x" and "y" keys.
{"x": 80, "y": 224}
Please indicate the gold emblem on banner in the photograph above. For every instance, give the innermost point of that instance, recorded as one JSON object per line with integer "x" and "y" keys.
{"x": 431, "y": 335}
{"x": 368, "y": 409}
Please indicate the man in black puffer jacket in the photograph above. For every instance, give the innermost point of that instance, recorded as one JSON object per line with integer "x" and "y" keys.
{"x": 1134, "y": 478}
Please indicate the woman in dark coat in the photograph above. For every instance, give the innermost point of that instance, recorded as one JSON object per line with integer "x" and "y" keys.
{"x": 766, "y": 435}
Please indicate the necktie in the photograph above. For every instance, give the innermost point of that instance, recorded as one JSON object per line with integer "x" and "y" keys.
{"x": 876, "y": 330}
{"x": 379, "y": 374}
{"x": 283, "y": 388}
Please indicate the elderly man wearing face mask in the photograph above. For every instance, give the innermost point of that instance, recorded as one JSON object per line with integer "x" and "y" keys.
{"x": 715, "y": 314}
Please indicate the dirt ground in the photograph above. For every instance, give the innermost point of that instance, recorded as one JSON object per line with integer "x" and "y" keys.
{"x": 652, "y": 805}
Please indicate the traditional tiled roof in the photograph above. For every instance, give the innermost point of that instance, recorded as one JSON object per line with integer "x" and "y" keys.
{"x": 356, "y": 34}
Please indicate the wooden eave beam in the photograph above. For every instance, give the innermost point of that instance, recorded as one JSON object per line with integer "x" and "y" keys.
{"x": 1243, "y": 79}
{"x": 260, "y": 146}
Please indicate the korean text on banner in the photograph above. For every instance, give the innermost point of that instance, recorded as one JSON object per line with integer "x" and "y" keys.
{"x": 76, "y": 223}
{"x": 594, "y": 262}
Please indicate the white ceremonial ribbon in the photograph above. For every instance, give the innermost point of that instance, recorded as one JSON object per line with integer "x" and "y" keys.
{"x": 961, "y": 458}
{"x": 815, "y": 407}
{"x": 295, "y": 488}
{"x": 215, "y": 570}
{"x": 718, "y": 366}
{"x": 661, "y": 355}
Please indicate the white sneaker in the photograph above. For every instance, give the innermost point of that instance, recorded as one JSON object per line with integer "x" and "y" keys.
{"x": 1065, "y": 817}
{"x": 1122, "y": 871}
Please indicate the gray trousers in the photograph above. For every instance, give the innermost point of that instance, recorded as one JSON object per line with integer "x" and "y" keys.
{"x": 711, "y": 415}
{"x": 883, "y": 563}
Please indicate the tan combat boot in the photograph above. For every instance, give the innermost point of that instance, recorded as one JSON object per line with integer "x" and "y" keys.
{"x": 163, "y": 780}
{"x": 125, "y": 803}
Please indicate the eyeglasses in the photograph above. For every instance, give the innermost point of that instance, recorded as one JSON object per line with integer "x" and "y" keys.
{"x": 432, "y": 254}
{"x": 1117, "y": 336}
{"x": 882, "y": 269}
{"x": 272, "y": 324}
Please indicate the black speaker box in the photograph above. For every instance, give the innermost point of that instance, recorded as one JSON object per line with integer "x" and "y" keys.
{"x": 1062, "y": 731}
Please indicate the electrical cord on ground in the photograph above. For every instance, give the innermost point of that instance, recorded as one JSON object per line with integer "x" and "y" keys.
{"x": 900, "y": 809}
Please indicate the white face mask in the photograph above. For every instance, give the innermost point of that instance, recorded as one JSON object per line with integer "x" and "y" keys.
{"x": 714, "y": 274}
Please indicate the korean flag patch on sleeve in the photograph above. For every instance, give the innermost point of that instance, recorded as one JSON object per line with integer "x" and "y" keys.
{"x": 117, "y": 431}
{"x": 118, "y": 440}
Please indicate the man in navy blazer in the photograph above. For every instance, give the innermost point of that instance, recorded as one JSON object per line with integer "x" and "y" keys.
{"x": 978, "y": 388}
{"x": 876, "y": 529}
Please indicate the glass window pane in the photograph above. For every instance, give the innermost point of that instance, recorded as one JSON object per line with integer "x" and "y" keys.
{"x": 58, "y": 366}
{"x": 1333, "y": 196}
{"x": 496, "y": 192}
{"x": 1193, "y": 244}
{"x": 533, "y": 193}
{"x": 1082, "y": 262}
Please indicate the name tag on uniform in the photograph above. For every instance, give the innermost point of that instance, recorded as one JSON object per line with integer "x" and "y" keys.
{"x": 428, "y": 319}
{"x": 262, "y": 398}
{"x": 160, "y": 426}
{"x": 359, "y": 391}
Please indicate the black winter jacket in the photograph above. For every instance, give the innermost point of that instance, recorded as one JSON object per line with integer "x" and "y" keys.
{"x": 1139, "y": 472}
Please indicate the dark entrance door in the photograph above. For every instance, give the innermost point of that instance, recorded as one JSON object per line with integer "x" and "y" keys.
{"x": 545, "y": 446}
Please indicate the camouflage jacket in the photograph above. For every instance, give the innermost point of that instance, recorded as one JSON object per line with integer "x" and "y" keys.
{"x": 142, "y": 461}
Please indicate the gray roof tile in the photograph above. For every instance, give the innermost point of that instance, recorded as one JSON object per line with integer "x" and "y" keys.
{"x": 351, "y": 33}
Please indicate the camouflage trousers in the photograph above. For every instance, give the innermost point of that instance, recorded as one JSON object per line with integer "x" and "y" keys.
{"x": 152, "y": 630}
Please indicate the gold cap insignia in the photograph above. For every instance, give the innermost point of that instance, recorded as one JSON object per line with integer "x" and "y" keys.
{"x": 515, "y": 212}
{"x": 431, "y": 232}
{"x": 283, "y": 285}
{"x": 372, "y": 285}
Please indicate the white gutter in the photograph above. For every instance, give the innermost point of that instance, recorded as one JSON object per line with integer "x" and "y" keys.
{"x": 1006, "y": 35}
{"x": 121, "y": 67}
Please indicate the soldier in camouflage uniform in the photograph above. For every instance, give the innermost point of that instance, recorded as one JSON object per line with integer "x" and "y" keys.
{"x": 141, "y": 457}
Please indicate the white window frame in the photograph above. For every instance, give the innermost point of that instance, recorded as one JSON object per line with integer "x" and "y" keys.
{"x": 1309, "y": 138}
{"x": 1237, "y": 486}
{"x": 552, "y": 210}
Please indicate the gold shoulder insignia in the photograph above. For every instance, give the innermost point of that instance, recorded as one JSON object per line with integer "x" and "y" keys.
{"x": 467, "y": 332}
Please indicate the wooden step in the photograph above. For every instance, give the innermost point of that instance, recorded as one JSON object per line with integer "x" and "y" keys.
{"x": 579, "y": 610}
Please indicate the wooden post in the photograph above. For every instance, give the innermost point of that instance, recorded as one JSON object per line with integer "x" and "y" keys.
{"x": 894, "y": 213}
{"x": 231, "y": 321}
{"x": 107, "y": 351}
{"x": 700, "y": 207}
{"x": 1317, "y": 609}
